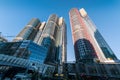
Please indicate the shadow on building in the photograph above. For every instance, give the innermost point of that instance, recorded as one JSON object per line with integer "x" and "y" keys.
{"x": 107, "y": 51}
{"x": 84, "y": 51}
{"x": 11, "y": 72}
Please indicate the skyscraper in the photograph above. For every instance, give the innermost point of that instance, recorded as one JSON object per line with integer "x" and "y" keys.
{"x": 94, "y": 58}
{"x": 29, "y": 31}
{"x": 54, "y": 39}
{"x": 39, "y": 43}
{"x": 50, "y": 35}
{"x": 89, "y": 44}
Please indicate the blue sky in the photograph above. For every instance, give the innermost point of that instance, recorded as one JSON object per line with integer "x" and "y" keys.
{"x": 15, "y": 14}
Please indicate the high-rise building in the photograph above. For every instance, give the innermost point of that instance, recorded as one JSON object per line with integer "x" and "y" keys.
{"x": 89, "y": 44}
{"x": 50, "y": 35}
{"x": 29, "y": 31}
{"x": 94, "y": 58}
{"x": 39, "y": 42}
{"x": 53, "y": 38}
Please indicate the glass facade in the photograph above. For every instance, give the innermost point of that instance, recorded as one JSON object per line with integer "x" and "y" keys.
{"x": 83, "y": 43}
{"x": 40, "y": 42}
{"x": 53, "y": 39}
{"x": 88, "y": 42}
{"x": 28, "y": 30}
{"x": 37, "y": 53}
{"x": 50, "y": 35}
{"x": 9, "y": 48}
{"x": 25, "y": 49}
{"x": 38, "y": 35}
{"x": 104, "y": 47}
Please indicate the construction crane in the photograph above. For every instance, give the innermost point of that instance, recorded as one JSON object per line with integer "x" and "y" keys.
{"x": 5, "y": 37}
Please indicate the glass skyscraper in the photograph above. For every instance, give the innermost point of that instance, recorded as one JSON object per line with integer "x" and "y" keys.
{"x": 42, "y": 43}
{"x": 53, "y": 38}
{"x": 89, "y": 44}
{"x": 50, "y": 35}
{"x": 29, "y": 31}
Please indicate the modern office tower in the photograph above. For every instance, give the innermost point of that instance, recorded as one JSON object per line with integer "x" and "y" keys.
{"x": 29, "y": 31}
{"x": 42, "y": 43}
{"x": 23, "y": 57}
{"x": 63, "y": 43}
{"x": 53, "y": 38}
{"x": 38, "y": 35}
{"x": 89, "y": 45}
{"x": 50, "y": 35}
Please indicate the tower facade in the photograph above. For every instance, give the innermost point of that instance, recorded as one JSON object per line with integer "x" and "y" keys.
{"x": 89, "y": 44}
{"x": 51, "y": 35}
{"x": 53, "y": 38}
{"x": 40, "y": 44}
{"x": 29, "y": 31}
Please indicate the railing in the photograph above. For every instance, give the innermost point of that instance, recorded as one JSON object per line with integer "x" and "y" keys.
{"x": 44, "y": 69}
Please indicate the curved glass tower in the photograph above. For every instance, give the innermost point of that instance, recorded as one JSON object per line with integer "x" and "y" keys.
{"x": 51, "y": 35}
{"x": 53, "y": 38}
{"x": 29, "y": 29}
{"x": 89, "y": 44}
